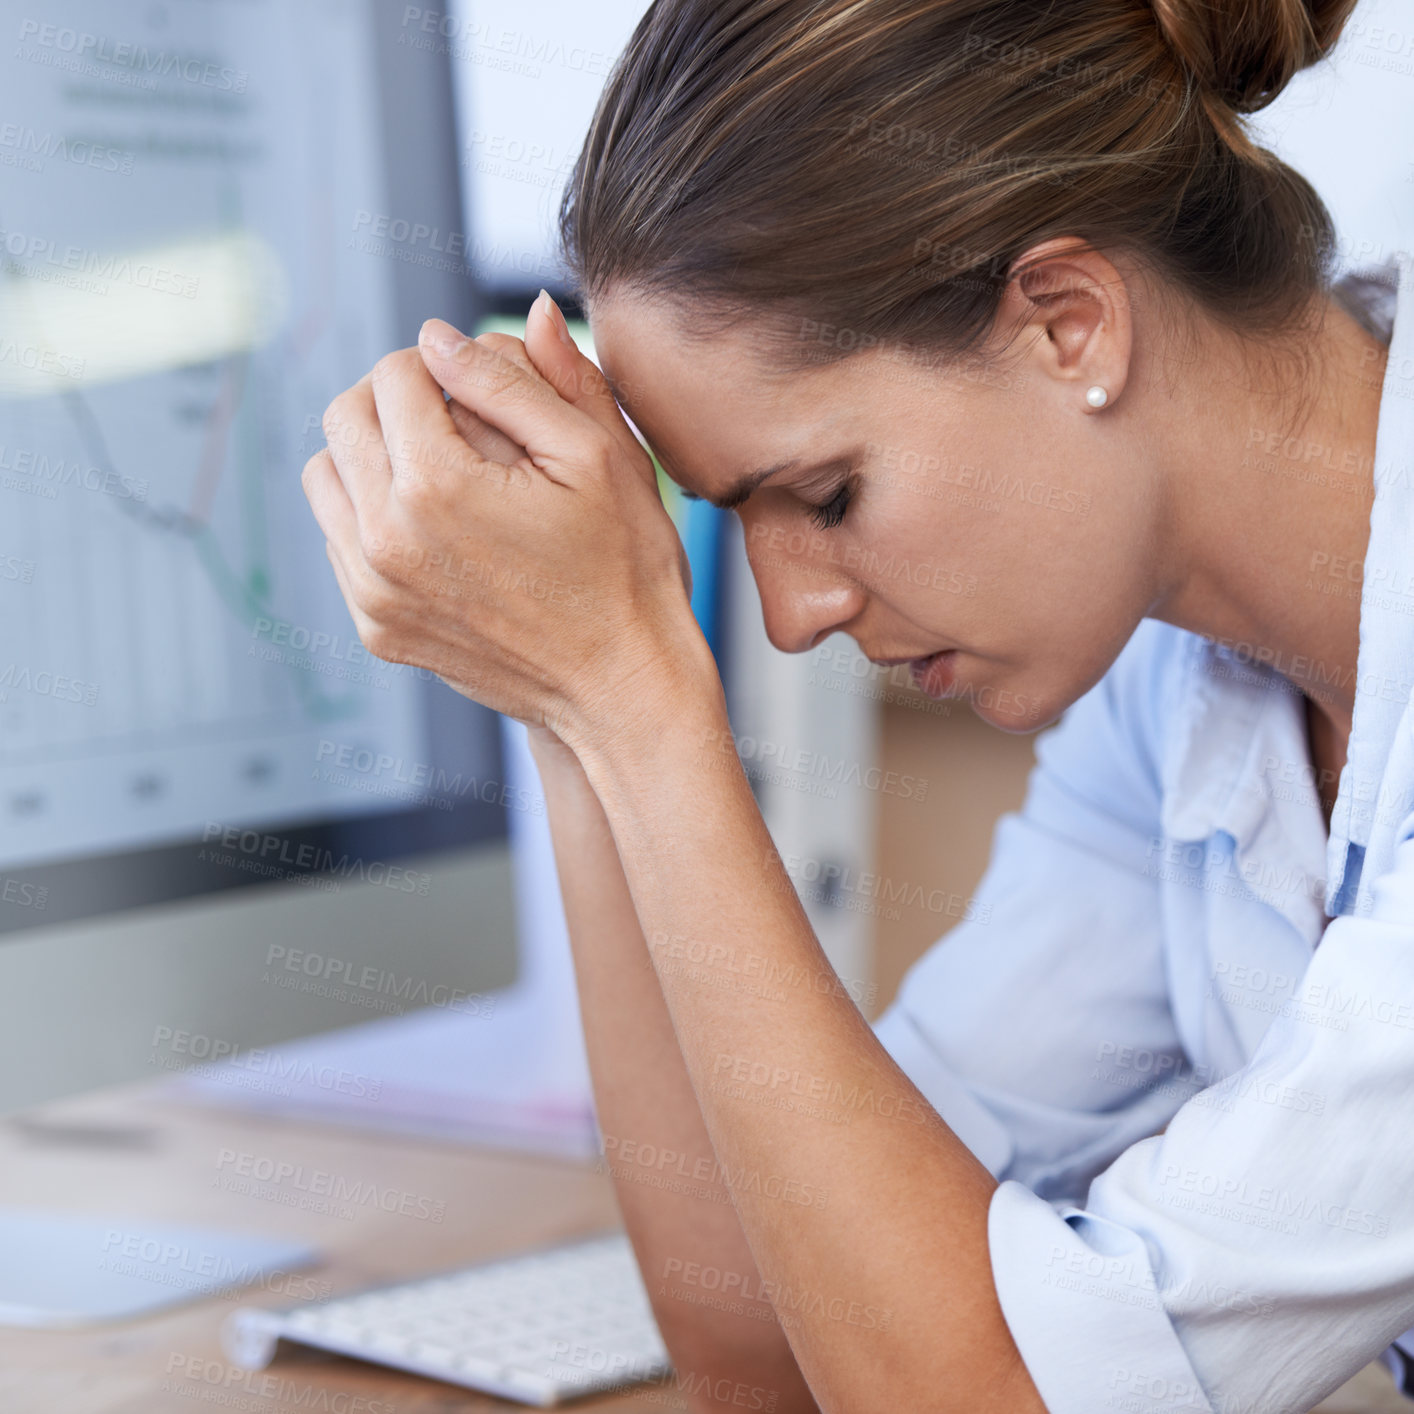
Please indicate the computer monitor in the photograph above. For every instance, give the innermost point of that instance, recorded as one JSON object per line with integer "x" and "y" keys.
{"x": 214, "y": 218}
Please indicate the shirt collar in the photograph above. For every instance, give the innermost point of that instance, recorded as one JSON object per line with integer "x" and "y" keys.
{"x": 1386, "y": 649}
{"x": 1234, "y": 765}
{"x": 1236, "y": 760}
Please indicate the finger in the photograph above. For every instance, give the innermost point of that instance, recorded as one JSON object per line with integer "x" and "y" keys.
{"x": 483, "y": 438}
{"x": 508, "y": 346}
{"x": 418, "y": 429}
{"x": 363, "y": 625}
{"x": 487, "y": 440}
{"x": 504, "y": 393}
{"x": 576, "y": 378}
{"x": 343, "y": 540}
{"x": 355, "y": 439}
{"x": 328, "y": 498}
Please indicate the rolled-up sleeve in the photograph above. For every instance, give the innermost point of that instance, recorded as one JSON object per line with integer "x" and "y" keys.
{"x": 1244, "y": 1248}
{"x": 1268, "y": 1234}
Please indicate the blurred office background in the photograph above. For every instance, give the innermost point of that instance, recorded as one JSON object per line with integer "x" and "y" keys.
{"x": 224, "y": 827}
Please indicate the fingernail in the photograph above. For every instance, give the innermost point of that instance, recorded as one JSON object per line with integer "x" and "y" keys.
{"x": 553, "y": 313}
{"x": 442, "y": 338}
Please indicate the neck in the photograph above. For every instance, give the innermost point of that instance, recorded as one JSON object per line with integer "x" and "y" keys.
{"x": 1268, "y": 489}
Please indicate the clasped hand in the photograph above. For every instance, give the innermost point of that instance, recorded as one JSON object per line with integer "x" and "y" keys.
{"x": 512, "y": 540}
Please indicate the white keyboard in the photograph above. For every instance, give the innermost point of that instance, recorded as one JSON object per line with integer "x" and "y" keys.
{"x": 539, "y": 1328}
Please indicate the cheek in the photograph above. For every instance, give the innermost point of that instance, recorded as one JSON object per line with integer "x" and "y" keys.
{"x": 917, "y": 516}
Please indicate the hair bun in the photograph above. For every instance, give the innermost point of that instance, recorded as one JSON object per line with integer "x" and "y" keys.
{"x": 1242, "y": 53}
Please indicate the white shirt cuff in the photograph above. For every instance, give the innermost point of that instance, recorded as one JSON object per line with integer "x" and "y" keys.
{"x": 1086, "y": 1316}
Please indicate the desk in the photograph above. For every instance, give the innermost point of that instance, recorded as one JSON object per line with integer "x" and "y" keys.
{"x": 143, "y": 1152}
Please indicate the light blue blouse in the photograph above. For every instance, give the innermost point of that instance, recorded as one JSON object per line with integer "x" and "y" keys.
{"x": 1150, "y": 957}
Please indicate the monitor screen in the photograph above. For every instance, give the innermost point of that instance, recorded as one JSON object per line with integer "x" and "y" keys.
{"x": 214, "y": 217}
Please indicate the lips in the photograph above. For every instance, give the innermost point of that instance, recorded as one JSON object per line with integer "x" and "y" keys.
{"x": 934, "y": 675}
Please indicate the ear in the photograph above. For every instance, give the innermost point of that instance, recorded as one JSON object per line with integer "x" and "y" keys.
{"x": 1078, "y": 305}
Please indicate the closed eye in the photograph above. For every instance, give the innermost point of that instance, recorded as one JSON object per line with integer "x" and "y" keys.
{"x": 831, "y": 514}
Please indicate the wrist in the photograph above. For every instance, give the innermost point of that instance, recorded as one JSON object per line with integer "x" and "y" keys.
{"x": 666, "y": 700}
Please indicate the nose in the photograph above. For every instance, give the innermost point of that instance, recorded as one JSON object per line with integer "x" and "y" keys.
{"x": 805, "y": 596}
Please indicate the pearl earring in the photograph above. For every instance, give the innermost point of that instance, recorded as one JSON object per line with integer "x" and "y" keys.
{"x": 1097, "y": 397}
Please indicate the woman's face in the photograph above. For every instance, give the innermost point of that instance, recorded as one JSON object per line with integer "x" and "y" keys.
{"x": 984, "y": 514}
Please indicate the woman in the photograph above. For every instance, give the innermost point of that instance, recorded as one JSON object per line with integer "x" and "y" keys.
{"x": 1130, "y": 1143}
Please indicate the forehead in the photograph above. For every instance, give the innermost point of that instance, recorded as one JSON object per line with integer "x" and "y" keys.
{"x": 713, "y": 405}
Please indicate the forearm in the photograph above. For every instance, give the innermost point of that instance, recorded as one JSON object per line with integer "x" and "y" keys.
{"x": 618, "y": 670}
{"x": 888, "y": 1282}
{"x": 676, "y": 1209}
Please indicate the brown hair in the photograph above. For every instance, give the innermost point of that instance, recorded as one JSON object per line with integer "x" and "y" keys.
{"x": 879, "y": 165}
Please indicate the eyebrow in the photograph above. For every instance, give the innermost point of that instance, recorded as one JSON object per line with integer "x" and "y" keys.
{"x": 749, "y": 483}
{"x": 743, "y": 488}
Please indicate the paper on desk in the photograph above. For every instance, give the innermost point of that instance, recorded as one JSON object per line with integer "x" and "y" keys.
{"x": 434, "y": 1073}
{"x": 514, "y": 1078}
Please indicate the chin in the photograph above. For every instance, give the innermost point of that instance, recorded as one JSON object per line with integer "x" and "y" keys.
{"x": 1020, "y": 710}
